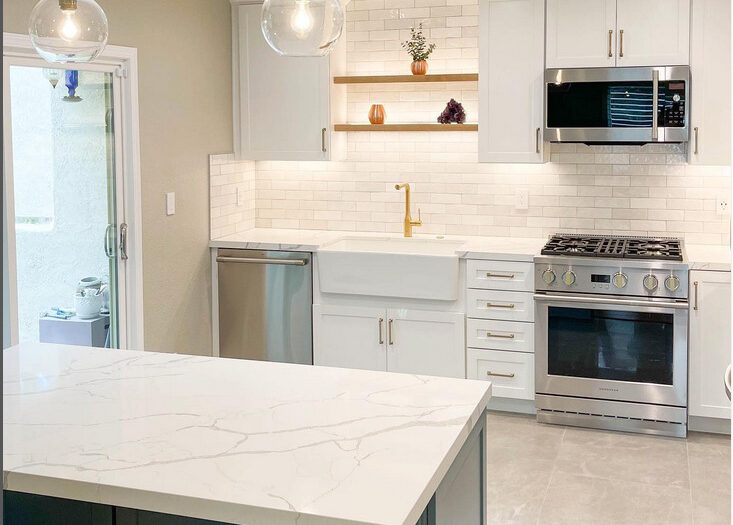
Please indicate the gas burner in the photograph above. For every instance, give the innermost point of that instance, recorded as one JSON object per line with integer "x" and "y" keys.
{"x": 620, "y": 247}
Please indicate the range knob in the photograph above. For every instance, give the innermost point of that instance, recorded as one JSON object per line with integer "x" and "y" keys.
{"x": 569, "y": 278}
{"x": 672, "y": 283}
{"x": 620, "y": 280}
{"x": 548, "y": 276}
{"x": 651, "y": 283}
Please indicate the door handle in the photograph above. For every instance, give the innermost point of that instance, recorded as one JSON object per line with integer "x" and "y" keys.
{"x": 610, "y": 43}
{"x": 696, "y": 284}
{"x": 254, "y": 260}
{"x": 655, "y": 103}
{"x": 389, "y": 331}
{"x": 108, "y": 234}
{"x": 697, "y": 140}
{"x": 621, "y": 43}
{"x": 323, "y": 140}
{"x": 492, "y": 305}
{"x": 123, "y": 241}
{"x": 381, "y": 337}
{"x": 500, "y": 336}
{"x": 537, "y": 141}
{"x": 497, "y": 374}
{"x": 500, "y": 275}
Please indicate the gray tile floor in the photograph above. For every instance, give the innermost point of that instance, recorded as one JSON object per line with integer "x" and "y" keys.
{"x": 552, "y": 475}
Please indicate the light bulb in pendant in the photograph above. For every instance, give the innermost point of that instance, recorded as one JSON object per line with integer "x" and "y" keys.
{"x": 302, "y": 19}
{"x": 69, "y": 28}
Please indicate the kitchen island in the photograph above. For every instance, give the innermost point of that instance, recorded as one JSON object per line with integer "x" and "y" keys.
{"x": 143, "y": 437}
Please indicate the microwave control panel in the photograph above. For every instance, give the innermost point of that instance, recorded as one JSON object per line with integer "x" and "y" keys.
{"x": 672, "y": 104}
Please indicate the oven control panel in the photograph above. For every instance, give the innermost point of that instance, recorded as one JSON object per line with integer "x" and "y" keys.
{"x": 559, "y": 274}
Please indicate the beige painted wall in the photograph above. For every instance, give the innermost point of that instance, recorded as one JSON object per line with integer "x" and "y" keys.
{"x": 184, "y": 53}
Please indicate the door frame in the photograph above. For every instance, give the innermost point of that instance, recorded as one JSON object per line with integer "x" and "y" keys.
{"x": 122, "y": 63}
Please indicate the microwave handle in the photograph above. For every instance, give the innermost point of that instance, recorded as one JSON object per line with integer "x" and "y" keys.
{"x": 655, "y": 104}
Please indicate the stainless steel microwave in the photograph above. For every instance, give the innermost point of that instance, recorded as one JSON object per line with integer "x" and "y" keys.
{"x": 617, "y": 105}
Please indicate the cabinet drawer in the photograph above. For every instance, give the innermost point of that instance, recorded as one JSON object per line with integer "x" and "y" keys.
{"x": 500, "y": 275}
{"x": 501, "y": 305}
{"x": 500, "y": 335}
{"x": 511, "y": 373}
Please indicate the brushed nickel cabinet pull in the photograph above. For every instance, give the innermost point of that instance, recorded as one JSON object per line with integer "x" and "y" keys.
{"x": 500, "y": 336}
{"x": 381, "y": 336}
{"x": 621, "y": 43}
{"x": 537, "y": 141}
{"x": 492, "y": 305}
{"x": 610, "y": 43}
{"x": 323, "y": 140}
{"x": 389, "y": 331}
{"x": 496, "y": 374}
{"x": 696, "y": 284}
{"x": 697, "y": 140}
{"x": 500, "y": 275}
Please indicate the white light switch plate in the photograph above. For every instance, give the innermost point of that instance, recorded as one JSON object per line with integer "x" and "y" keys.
{"x": 170, "y": 203}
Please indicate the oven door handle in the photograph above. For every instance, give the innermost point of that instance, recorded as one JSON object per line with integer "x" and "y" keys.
{"x": 612, "y": 301}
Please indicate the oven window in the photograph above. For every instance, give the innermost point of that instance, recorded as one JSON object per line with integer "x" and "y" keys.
{"x": 614, "y": 104}
{"x": 609, "y": 344}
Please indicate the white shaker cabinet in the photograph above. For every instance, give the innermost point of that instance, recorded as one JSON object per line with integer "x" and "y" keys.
{"x": 617, "y": 33}
{"x": 423, "y": 342}
{"x": 403, "y": 340}
{"x": 581, "y": 33}
{"x": 709, "y": 344}
{"x": 282, "y": 105}
{"x": 653, "y": 32}
{"x": 710, "y": 128}
{"x": 511, "y": 71}
{"x": 349, "y": 337}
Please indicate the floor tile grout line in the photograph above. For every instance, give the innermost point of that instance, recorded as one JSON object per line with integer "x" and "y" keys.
{"x": 549, "y": 480}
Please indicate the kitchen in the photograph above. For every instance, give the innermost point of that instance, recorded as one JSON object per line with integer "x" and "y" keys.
{"x": 511, "y": 254}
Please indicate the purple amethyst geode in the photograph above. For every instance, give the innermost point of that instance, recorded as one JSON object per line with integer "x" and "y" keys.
{"x": 453, "y": 112}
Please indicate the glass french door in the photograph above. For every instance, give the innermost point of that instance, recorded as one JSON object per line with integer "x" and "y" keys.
{"x": 63, "y": 204}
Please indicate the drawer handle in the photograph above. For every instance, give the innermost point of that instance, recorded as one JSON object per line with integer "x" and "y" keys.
{"x": 500, "y": 336}
{"x": 496, "y": 374}
{"x": 500, "y": 275}
{"x": 381, "y": 337}
{"x": 492, "y": 305}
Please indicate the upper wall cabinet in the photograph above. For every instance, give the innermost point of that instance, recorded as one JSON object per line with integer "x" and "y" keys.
{"x": 282, "y": 105}
{"x": 511, "y": 71}
{"x": 608, "y": 33}
{"x": 710, "y": 142}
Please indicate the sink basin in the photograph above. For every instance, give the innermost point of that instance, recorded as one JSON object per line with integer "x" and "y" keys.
{"x": 419, "y": 268}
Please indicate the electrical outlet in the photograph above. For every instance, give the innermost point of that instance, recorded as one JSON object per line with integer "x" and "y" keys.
{"x": 521, "y": 199}
{"x": 170, "y": 203}
{"x": 722, "y": 204}
{"x": 240, "y": 197}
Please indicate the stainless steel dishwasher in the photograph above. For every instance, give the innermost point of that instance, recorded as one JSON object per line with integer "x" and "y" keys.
{"x": 265, "y": 303}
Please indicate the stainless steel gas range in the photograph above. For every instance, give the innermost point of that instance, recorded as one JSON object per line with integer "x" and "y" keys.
{"x": 611, "y": 333}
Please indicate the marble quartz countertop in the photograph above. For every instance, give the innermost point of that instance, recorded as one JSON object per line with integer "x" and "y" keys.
{"x": 698, "y": 256}
{"x": 230, "y": 440}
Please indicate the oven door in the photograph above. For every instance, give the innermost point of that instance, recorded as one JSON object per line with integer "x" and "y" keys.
{"x": 619, "y": 349}
{"x": 607, "y": 105}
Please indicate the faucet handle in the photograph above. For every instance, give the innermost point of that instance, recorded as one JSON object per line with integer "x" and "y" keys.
{"x": 418, "y": 222}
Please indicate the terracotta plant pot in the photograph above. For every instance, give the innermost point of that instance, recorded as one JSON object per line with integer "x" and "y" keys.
{"x": 419, "y": 67}
{"x": 377, "y": 114}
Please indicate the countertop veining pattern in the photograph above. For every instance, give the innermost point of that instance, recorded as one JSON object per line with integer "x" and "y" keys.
{"x": 236, "y": 441}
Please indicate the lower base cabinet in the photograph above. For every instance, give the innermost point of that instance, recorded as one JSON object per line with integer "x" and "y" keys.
{"x": 393, "y": 339}
{"x": 709, "y": 343}
{"x": 511, "y": 373}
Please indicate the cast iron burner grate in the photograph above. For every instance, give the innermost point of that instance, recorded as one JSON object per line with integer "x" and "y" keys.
{"x": 657, "y": 248}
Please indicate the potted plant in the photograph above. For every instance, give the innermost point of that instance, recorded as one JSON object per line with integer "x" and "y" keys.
{"x": 419, "y": 50}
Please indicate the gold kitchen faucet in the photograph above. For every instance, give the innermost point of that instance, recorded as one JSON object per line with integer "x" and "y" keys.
{"x": 409, "y": 223}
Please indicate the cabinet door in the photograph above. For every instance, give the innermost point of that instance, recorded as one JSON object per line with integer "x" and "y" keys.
{"x": 653, "y": 32}
{"x": 581, "y": 33}
{"x": 429, "y": 343}
{"x": 283, "y": 101}
{"x": 511, "y": 71}
{"x": 710, "y": 142}
{"x": 709, "y": 343}
{"x": 349, "y": 337}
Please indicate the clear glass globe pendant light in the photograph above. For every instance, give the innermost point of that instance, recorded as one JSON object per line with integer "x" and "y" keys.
{"x": 302, "y": 28}
{"x": 68, "y": 31}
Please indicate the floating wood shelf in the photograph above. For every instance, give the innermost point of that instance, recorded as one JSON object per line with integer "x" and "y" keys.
{"x": 392, "y": 79}
{"x": 405, "y": 127}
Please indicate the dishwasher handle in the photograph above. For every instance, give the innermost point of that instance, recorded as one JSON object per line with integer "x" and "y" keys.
{"x": 255, "y": 260}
